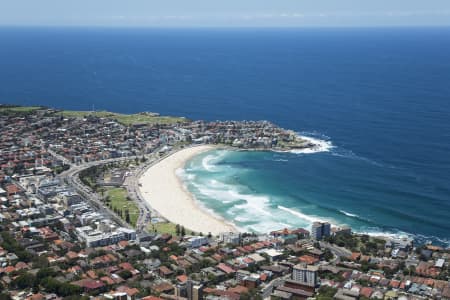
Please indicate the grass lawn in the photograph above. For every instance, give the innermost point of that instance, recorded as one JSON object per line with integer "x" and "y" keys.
{"x": 18, "y": 109}
{"x": 118, "y": 202}
{"x": 125, "y": 119}
{"x": 163, "y": 227}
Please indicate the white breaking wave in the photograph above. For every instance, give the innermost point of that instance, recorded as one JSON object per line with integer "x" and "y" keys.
{"x": 252, "y": 212}
{"x": 281, "y": 160}
{"x": 181, "y": 173}
{"x": 309, "y": 219}
{"x": 208, "y": 162}
{"x": 349, "y": 214}
{"x": 223, "y": 196}
{"x": 242, "y": 219}
{"x": 230, "y": 194}
{"x": 385, "y": 234}
{"x": 319, "y": 146}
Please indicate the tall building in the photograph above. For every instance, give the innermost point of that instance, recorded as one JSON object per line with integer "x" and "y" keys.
{"x": 304, "y": 274}
{"x": 320, "y": 230}
{"x": 194, "y": 291}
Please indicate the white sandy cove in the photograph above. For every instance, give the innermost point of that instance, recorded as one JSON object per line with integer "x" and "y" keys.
{"x": 164, "y": 191}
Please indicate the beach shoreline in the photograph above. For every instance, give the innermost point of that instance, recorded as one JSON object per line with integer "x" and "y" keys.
{"x": 165, "y": 192}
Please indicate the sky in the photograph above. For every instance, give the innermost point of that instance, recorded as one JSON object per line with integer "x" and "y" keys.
{"x": 225, "y": 13}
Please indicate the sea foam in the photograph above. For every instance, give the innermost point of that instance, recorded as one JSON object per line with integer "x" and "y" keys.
{"x": 319, "y": 146}
{"x": 349, "y": 214}
{"x": 308, "y": 218}
{"x": 209, "y": 161}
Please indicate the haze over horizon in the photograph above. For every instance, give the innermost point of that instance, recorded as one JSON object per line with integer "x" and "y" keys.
{"x": 231, "y": 13}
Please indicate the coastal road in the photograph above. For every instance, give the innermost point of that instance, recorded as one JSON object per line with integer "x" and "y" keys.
{"x": 132, "y": 185}
{"x": 337, "y": 251}
{"x": 72, "y": 179}
{"x": 71, "y": 176}
{"x": 133, "y": 188}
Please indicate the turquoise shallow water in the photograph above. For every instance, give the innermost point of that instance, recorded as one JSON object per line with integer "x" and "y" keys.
{"x": 264, "y": 191}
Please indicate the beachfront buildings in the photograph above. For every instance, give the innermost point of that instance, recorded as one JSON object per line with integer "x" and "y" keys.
{"x": 305, "y": 274}
{"x": 320, "y": 230}
{"x": 196, "y": 241}
{"x": 101, "y": 237}
{"x": 233, "y": 238}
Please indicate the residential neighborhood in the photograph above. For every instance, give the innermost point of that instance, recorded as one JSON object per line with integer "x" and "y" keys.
{"x": 72, "y": 224}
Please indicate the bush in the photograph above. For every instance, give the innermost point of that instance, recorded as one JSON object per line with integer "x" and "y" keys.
{"x": 125, "y": 274}
{"x": 326, "y": 293}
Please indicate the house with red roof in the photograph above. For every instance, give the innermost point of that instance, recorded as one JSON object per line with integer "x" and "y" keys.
{"x": 394, "y": 284}
{"x": 308, "y": 259}
{"x": 165, "y": 271}
{"x": 71, "y": 255}
{"x": 107, "y": 280}
{"x": 90, "y": 285}
{"x": 91, "y": 274}
{"x": 129, "y": 267}
{"x": 366, "y": 292}
{"x": 355, "y": 256}
{"x": 131, "y": 292}
{"x": 224, "y": 268}
{"x": 182, "y": 278}
{"x": 12, "y": 189}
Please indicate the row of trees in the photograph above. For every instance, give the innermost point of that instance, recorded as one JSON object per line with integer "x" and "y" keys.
{"x": 124, "y": 214}
{"x": 10, "y": 243}
{"x": 181, "y": 231}
{"x": 45, "y": 279}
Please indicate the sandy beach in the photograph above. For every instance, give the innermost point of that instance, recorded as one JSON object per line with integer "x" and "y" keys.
{"x": 164, "y": 191}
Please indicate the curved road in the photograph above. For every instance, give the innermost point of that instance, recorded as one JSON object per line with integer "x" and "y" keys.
{"x": 71, "y": 176}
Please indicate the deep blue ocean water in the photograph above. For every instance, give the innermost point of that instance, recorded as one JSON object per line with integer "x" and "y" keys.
{"x": 381, "y": 97}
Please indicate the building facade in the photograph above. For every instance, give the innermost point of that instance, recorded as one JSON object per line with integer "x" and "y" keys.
{"x": 320, "y": 230}
{"x": 304, "y": 274}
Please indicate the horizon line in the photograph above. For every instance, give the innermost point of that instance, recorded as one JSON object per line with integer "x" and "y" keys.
{"x": 75, "y": 26}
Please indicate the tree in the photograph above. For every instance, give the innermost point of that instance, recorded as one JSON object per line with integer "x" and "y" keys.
{"x": 10, "y": 243}
{"x": 125, "y": 274}
{"x": 183, "y": 231}
{"x": 177, "y": 229}
{"x": 40, "y": 262}
{"x": 67, "y": 289}
{"x": 5, "y": 296}
{"x": 326, "y": 292}
{"x": 127, "y": 216}
{"x": 45, "y": 272}
{"x": 328, "y": 255}
{"x": 24, "y": 281}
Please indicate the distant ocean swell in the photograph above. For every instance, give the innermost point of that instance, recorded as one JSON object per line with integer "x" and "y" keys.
{"x": 228, "y": 184}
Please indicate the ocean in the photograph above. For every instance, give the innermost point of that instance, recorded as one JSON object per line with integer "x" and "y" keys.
{"x": 377, "y": 99}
